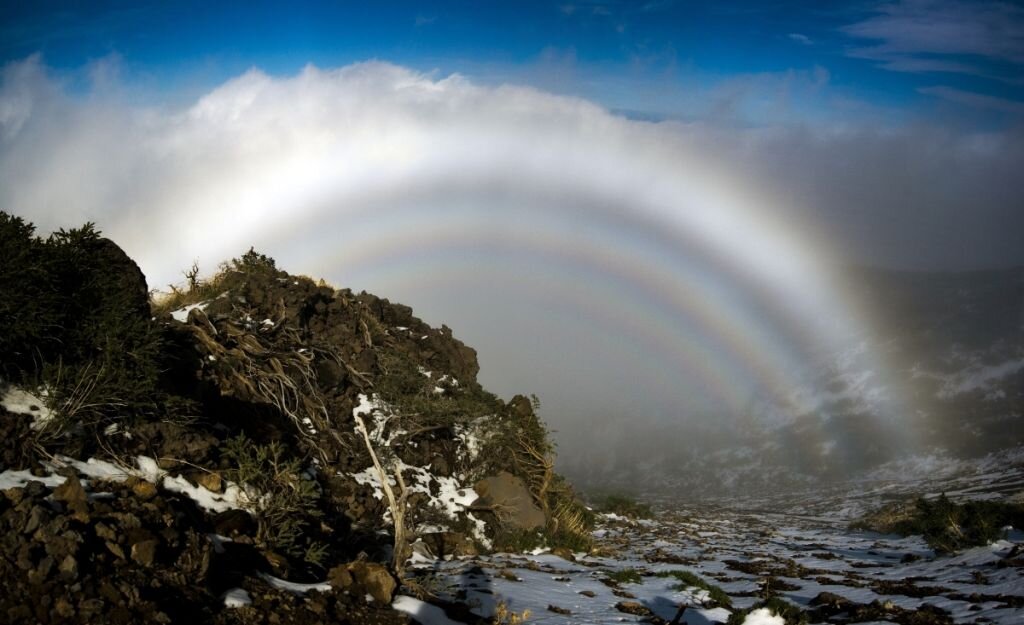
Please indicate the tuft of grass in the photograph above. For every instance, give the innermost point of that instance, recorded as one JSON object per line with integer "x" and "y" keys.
{"x": 946, "y": 526}
{"x": 625, "y": 506}
{"x": 624, "y": 576}
{"x": 196, "y": 290}
{"x": 791, "y": 614}
{"x": 688, "y": 579}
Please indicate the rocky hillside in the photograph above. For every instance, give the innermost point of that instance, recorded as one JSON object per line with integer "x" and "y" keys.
{"x": 216, "y": 454}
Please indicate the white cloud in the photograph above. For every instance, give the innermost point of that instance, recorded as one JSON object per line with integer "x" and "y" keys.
{"x": 975, "y": 100}
{"x": 941, "y": 35}
{"x": 566, "y": 243}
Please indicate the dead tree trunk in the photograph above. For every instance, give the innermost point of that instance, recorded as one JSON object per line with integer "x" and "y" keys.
{"x": 397, "y": 505}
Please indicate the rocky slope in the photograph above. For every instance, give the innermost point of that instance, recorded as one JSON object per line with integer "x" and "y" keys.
{"x": 250, "y": 438}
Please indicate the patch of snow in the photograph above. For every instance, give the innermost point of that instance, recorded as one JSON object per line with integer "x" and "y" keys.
{"x": 182, "y": 313}
{"x": 424, "y": 613}
{"x": 20, "y": 401}
{"x": 93, "y": 468}
{"x": 205, "y": 499}
{"x": 18, "y": 479}
{"x": 218, "y": 542}
{"x": 294, "y": 587}
{"x": 763, "y": 616}
{"x": 237, "y": 598}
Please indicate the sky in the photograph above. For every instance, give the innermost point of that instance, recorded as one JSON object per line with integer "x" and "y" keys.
{"x": 628, "y": 208}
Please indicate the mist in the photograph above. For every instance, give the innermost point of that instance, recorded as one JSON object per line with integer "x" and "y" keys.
{"x": 635, "y": 275}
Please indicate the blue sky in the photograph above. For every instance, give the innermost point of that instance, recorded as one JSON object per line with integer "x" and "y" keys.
{"x": 895, "y": 61}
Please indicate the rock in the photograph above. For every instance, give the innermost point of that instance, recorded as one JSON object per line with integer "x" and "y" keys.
{"x": 633, "y": 607}
{"x": 105, "y": 532}
{"x": 115, "y": 549}
{"x": 329, "y": 373}
{"x": 340, "y": 577}
{"x": 143, "y": 489}
{"x": 35, "y": 489}
{"x": 441, "y": 544}
{"x": 63, "y": 608}
{"x": 508, "y": 493}
{"x": 144, "y": 552}
{"x": 69, "y": 568}
{"x": 72, "y": 494}
{"x": 375, "y": 579}
{"x": 234, "y": 521}
{"x": 122, "y": 276}
{"x": 35, "y": 518}
{"x": 563, "y": 553}
{"x": 209, "y": 480}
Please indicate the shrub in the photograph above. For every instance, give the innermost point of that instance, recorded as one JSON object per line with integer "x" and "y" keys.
{"x": 690, "y": 580}
{"x": 625, "y": 506}
{"x": 949, "y": 527}
{"x": 946, "y": 526}
{"x": 283, "y": 501}
{"x": 30, "y": 308}
{"x": 76, "y": 324}
{"x": 228, "y": 276}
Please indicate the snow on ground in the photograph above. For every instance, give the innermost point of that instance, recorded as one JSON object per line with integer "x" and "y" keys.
{"x": 423, "y": 612}
{"x": 19, "y": 401}
{"x": 237, "y": 598}
{"x": 294, "y": 587}
{"x": 147, "y": 469}
{"x": 804, "y": 546}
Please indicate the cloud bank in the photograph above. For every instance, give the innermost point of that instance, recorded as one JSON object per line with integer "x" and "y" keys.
{"x": 615, "y": 267}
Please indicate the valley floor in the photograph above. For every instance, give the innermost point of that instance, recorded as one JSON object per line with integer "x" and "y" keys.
{"x": 800, "y": 560}
{"x": 803, "y": 551}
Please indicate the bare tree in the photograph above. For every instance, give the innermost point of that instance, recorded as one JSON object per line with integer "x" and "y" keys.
{"x": 398, "y": 505}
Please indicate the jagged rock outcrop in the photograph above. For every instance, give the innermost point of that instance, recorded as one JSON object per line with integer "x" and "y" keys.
{"x": 200, "y": 450}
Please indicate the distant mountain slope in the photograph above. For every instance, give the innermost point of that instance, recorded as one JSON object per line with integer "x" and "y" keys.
{"x": 952, "y": 345}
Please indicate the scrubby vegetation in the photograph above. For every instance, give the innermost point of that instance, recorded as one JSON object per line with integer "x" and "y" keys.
{"x": 624, "y": 576}
{"x": 690, "y": 580}
{"x": 791, "y": 614}
{"x": 77, "y": 333}
{"x": 249, "y": 394}
{"x": 626, "y": 506}
{"x": 947, "y": 526}
{"x": 282, "y": 497}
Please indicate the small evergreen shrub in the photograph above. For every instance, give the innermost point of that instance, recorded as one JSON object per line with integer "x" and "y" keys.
{"x": 280, "y": 497}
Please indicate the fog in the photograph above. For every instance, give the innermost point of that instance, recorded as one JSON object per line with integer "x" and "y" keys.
{"x": 632, "y": 274}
